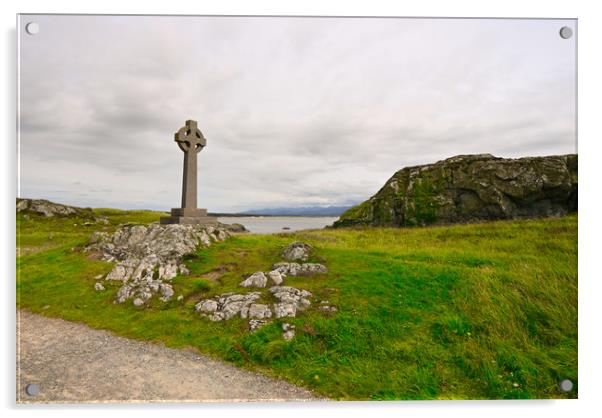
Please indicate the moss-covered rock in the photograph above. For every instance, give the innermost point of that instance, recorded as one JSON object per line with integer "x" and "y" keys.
{"x": 469, "y": 188}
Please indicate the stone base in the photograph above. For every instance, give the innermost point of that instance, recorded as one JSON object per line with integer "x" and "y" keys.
{"x": 187, "y": 216}
{"x": 193, "y": 213}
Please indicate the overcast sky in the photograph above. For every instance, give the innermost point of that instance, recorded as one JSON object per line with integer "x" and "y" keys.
{"x": 296, "y": 111}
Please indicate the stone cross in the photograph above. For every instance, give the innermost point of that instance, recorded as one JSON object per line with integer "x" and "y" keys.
{"x": 191, "y": 141}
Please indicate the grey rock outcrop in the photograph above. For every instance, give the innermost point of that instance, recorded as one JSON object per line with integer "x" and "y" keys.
{"x": 236, "y": 228}
{"x": 297, "y": 251}
{"x": 49, "y": 209}
{"x": 260, "y": 279}
{"x": 296, "y": 269}
{"x": 290, "y": 299}
{"x": 469, "y": 188}
{"x": 148, "y": 257}
{"x": 229, "y": 305}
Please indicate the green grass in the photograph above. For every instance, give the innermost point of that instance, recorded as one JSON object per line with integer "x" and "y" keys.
{"x": 461, "y": 312}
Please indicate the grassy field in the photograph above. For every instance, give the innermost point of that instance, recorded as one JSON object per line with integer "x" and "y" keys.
{"x": 462, "y": 312}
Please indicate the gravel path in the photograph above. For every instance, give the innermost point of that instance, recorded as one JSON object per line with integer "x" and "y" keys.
{"x": 73, "y": 363}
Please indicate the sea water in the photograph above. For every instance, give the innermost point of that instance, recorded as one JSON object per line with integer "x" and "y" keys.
{"x": 275, "y": 224}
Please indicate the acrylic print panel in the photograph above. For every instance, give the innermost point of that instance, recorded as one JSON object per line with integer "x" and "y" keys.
{"x": 296, "y": 208}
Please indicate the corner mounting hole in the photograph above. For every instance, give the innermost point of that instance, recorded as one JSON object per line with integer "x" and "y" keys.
{"x": 566, "y": 32}
{"x": 566, "y": 385}
{"x": 32, "y": 28}
{"x": 32, "y": 389}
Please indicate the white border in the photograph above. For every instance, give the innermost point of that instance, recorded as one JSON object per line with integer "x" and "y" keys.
{"x": 590, "y": 233}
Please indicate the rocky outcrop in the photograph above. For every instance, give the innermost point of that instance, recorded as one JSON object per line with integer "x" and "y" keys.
{"x": 286, "y": 301}
{"x": 226, "y": 306}
{"x": 290, "y": 300}
{"x": 148, "y": 257}
{"x": 469, "y": 188}
{"x": 229, "y": 305}
{"x": 49, "y": 209}
{"x": 296, "y": 269}
{"x": 259, "y": 279}
{"x": 297, "y": 251}
{"x": 235, "y": 228}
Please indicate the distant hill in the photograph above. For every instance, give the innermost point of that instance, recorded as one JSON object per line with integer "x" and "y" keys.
{"x": 301, "y": 211}
{"x": 469, "y": 188}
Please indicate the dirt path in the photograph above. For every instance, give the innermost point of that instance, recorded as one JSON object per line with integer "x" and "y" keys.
{"x": 73, "y": 363}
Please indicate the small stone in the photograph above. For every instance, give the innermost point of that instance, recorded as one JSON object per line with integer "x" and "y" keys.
{"x": 515, "y": 385}
{"x": 119, "y": 273}
{"x": 218, "y": 316}
{"x": 291, "y": 299}
{"x": 255, "y": 324}
{"x": 235, "y": 227}
{"x": 207, "y": 305}
{"x": 276, "y": 277}
{"x": 103, "y": 221}
{"x": 138, "y": 302}
{"x": 166, "y": 291}
{"x": 257, "y": 279}
{"x": 289, "y": 331}
{"x": 99, "y": 287}
{"x": 98, "y": 277}
{"x": 282, "y": 310}
{"x": 296, "y": 269}
{"x": 297, "y": 251}
{"x": 230, "y": 310}
{"x": 180, "y": 298}
{"x": 259, "y": 311}
{"x": 313, "y": 268}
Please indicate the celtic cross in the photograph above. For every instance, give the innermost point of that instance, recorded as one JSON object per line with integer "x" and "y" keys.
{"x": 190, "y": 140}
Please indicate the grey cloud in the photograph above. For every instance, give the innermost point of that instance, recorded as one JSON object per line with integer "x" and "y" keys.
{"x": 296, "y": 111}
